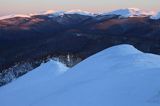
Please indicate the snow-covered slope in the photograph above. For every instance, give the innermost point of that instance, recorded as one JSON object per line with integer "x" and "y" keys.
{"x": 51, "y": 13}
{"x": 130, "y": 12}
{"x": 79, "y": 12}
{"x": 156, "y": 16}
{"x": 118, "y": 76}
{"x": 32, "y": 81}
{"x": 126, "y": 12}
{"x": 12, "y": 16}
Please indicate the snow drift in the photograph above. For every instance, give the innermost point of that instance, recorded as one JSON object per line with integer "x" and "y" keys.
{"x": 118, "y": 76}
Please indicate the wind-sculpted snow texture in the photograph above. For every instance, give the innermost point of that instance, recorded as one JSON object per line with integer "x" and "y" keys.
{"x": 118, "y": 76}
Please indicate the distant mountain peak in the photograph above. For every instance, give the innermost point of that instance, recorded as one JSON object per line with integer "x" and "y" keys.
{"x": 12, "y": 16}
{"x": 131, "y": 12}
{"x": 156, "y": 16}
{"x": 77, "y": 11}
{"x": 124, "y": 12}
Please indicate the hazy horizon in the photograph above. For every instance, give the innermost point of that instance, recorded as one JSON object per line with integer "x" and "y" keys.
{"x": 33, "y": 6}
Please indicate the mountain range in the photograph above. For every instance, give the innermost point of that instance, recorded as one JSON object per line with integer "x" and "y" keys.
{"x": 125, "y": 12}
{"x": 28, "y": 40}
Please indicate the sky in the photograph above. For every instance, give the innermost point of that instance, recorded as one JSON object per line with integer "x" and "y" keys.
{"x": 33, "y": 6}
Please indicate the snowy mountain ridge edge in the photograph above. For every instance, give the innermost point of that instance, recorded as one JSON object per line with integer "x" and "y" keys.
{"x": 125, "y": 12}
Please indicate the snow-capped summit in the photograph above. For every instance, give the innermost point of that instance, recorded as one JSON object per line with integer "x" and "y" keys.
{"x": 131, "y": 12}
{"x": 120, "y": 50}
{"x": 12, "y": 16}
{"x": 156, "y": 16}
{"x": 126, "y": 12}
{"x": 79, "y": 12}
{"x": 51, "y": 13}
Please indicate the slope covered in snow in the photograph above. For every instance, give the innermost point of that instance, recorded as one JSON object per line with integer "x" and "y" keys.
{"x": 130, "y": 12}
{"x": 12, "y": 16}
{"x": 30, "y": 82}
{"x": 51, "y": 13}
{"x": 156, "y": 16}
{"x": 126, "y": 12}
{"x": 118, "y": 76}
{"x": 79, "y": 12}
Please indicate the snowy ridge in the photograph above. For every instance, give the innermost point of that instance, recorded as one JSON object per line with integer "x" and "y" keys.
{"x": 118, "y": 76}
{"x": 12, "y": 16}
{"x": 131, "y": 12}
{"x": 51, "y": 13}
{"x": 126, "y": 12}
{"x": 46, "y": 71}
{"x": 156, "y": 16}
{"x": 79, "y": 12}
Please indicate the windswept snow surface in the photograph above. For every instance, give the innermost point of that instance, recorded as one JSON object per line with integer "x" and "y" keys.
{"x": 118, "y": 76}
{"x": 31, "y": 86}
